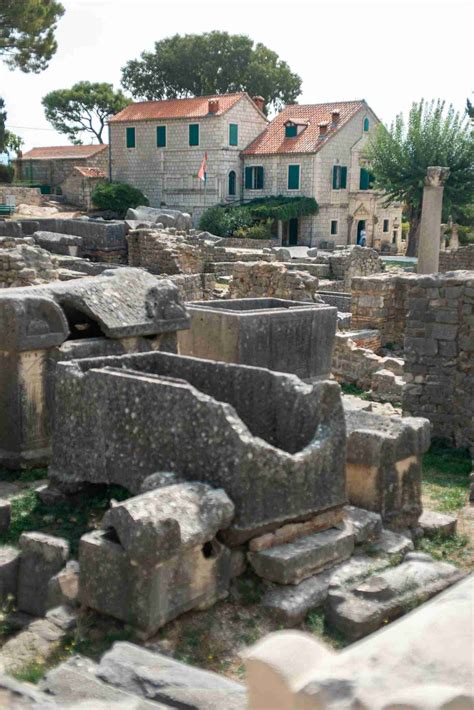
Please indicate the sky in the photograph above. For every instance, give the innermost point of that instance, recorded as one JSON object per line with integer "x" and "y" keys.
{"x": 389, "y": 53}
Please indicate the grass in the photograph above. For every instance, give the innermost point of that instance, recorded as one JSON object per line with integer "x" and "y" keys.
{"x": 69, "y": 519}
{"x": 445, "y": 477}
{"x": 454, "y": 549}
{"x": 356, "y": 391}
{"x": 317, "y": 625}
{"x": 21, "y": 477}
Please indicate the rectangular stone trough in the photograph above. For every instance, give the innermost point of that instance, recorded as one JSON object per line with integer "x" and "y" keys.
{"x": 287, "y": 336}
{"x": 275, "y": 444}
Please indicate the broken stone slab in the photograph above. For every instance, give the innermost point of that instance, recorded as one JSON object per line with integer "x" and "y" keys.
{"x": 155, "y": 526}
{"x": 63, "y": 587}
{"x": 434, "y": 523}
{"x": 22, "y": 696}
{"x": 148, "y": 596}
{"x": 75, "y": 681}
{"x": 293, "y": 531}
{"x": 42, "y": 556}
{"x": 63, "y": 617}
{"x": 294, "y": 561}
{"x": 162, "y": 679}
{"x": 32, "y": 645}
{"x": 5, "y": 515}
{"x": 226, "y": 425}
{"x": 64, "y": 244}
{"x": 393, "y": 544}
{"x": 167, "y": 217}
{"x": 363, "y": 609}
{"x": 9, "y": 566}
{"x": 290, "y": 604}
{"x": 364, "y": 524}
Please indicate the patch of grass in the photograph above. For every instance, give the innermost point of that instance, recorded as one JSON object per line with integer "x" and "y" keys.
{"x": 357, "y": 391}
{"x": 31, "y": 673}
{"x": 454, "y": 549}
{"x": 446, "y": 477}
{"x": 69, "y": 519}
{"x": 250, "y": 588}
{"x": 316, "y": 624}
{"x": 26, "y": 476}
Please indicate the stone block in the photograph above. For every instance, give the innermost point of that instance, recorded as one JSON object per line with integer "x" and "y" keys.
{"x": 393, "y": 544}
{"x": 9, "y": 565}
{"x": 63, "y": 587}
{"x": 282, "y": 335}
{"x": 363, "y": 609}
{"x": 42, "y": 556}
{"x": 63, "y": 617}
{"x": 364, "y": 524}
{"x": 226, "y": 425}
{"x": 295, "y": 561}
{"x": 433, "y": 523}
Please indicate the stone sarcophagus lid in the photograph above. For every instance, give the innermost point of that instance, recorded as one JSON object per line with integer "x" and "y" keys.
{"x": 124, "y": 310}
{"x": 282, "y": 335}
{"x": 275, "y": 444}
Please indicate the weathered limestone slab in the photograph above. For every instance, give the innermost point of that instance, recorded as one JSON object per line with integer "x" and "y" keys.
{"x": 393, "y": 544}
{"x": 364, "y": 524}
{"x": 65, "y": 244}
{"x": 42, "y": 556}
{"x": 226, "y": 425}
{"x": 9, "y": 564}
{"x": 165, "y": 216}
{"x": 297, "y": 560}
{"x": 63, "y": 587}
{"x": 293, "y": 531}
{"x": 139, "y": 671}
{"x": 155, "y": 526}
{"x": 363, "y": 609}
{"x": 434, "y": 523}
{"x": 287, "y": 336}
{"x": 384, "y": 464}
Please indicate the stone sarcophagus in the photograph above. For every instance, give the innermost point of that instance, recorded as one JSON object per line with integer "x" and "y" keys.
{"x": 124, "y": 310}
{"x": 275, "y": 444}
{"x": 282, "y": 335}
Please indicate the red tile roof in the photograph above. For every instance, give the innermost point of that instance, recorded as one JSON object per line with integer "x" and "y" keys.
{"x": 90, "y": 172}
{"x": 273, "y": 140}
{"x": 197, "y": 107}
{"x": 63, "y": 152}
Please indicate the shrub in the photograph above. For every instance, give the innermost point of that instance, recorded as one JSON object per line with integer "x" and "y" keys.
{"x": 259, "y": 230}
{"x": 6, "y": 173}
{"x": 117, "y": 197}
{"x": 214, "y": 221}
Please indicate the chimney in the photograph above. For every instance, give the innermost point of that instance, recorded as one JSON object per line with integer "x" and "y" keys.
{"x": 259, "y": 102}
{"x": 213, "y": 105}
{"x": 323, "y": 129}
{"x": 335, "y": 116}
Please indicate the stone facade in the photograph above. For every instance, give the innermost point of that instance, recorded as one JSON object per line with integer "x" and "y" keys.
{"x": 457, "y": 259}
{"x": 439, "y": 354}
{"x": 79, "y": 185}
{"x": 168, "y": 175}
{"x": 51, "y": 166}
{"x": 21, "y": 195}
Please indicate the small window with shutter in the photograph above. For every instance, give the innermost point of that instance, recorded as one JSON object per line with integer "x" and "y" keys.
{"x": 334, "y": 226}
{"x": 293, "y": 177}
{"x": 130, "y": 137}
{"x": 194, "y": 134}
{"x": 339, "y": 177}
{"x": 254, "y": 177}
{"x": 233, "y": 134}
{"x": 161, "y": 136}
{"x": 385, "y": 225}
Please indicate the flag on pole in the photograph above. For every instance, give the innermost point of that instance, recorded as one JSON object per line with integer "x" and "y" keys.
{"x": 202, "y": 173}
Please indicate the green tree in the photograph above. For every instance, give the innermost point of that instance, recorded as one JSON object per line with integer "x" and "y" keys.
{"x": 211, "y": 63}
{"x": 27, "y": 32}
{"x": 8, "y": 141}
{"x": 400, "y": 155}
{"x": 3, "y": 118}
{"x": 85, "y": 107}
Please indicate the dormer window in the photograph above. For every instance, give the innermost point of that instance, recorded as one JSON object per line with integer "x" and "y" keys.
{"x": 293, "y": 127}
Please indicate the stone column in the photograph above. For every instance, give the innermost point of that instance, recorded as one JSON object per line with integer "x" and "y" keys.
{"x": 454, "y": 241}
{"x": 280, "y": 232}
{"x": 430, "y": 227}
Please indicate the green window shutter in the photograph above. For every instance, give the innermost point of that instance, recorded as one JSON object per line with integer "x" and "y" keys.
{"x": 259, "y": 178}
{"x": 194, "y": 134}
{"x": 343, "y": 177}
{"x": 366, "y": 125}
{"x": 333, "y": 226}
{"x": 232, "y": 182}
{"x": 130, "y": 138}
{"x": 293, "y": 177}
{"x": 233, "y": 134}
{"x": 161, "y": 136}
{"x": 364, "y": 179}
{"x": 335, "y": 177}
{"x": 290, "y": 131}
{"x": 248, "y": 178}
{"x": 385, "y": 225}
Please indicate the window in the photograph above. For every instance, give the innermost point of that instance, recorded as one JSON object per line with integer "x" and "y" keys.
{"x": 339, "y": 177}
{"x": 291, "y": 130}
{"x": 233, "y": 134}
{"x": 130, "y": 133}
{"x": 293, "y": 177}
{"x": 385, "y": 225}
{"x": 366, "y": 125}
{"x": 254, "y": 178}
{"x": 366, "y": 180}
{"x": 334, "y": 226}
{"x": 232, "y": 182}
{"x": 161, "y": 136}
{"x": 194, "y": 134}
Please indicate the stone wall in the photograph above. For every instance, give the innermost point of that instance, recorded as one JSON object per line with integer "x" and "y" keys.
{"x": 22, "y": 263}
{"x": 272, "y": 280}
{"x": 353, "y": 364}
{"x": 236, "y": 243}
{"x": 456, "y": 259}
{"x": 342, "y": 301}
{"x": 356, "y": 261}
{"x": 195, "y": 287}
{"x": 164, "y": 253}
{"x": 23, "y": 195}
{"x": 439, "y": 354}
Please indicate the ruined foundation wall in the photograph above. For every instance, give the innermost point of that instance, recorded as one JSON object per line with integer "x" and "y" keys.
{"x": 457, "y": 259}
{"x": 272, "y": 280}
{"x": 439, "y": 354}
{"x": 23, "y": 195}
{"x": 22, "y": 263}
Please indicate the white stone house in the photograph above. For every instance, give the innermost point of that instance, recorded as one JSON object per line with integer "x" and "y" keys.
{"x": 158, "y": 147}
{"x": 317, "y": 151}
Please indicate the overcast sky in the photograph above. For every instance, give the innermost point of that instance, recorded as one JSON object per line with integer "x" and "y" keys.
{"x": 389, "y": 53}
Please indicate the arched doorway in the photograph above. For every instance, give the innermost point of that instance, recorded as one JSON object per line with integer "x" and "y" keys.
{"x": 232, "y": 183}
{"x": 360, "y": 229}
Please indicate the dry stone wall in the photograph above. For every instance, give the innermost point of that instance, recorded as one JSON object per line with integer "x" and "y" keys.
{"x": 439, "y": 354}
{"x": 457, "y": 259}
{"x": 22, "y": 195}
{"x": 272, "y": 280}
{"x": 22, "y": 263}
